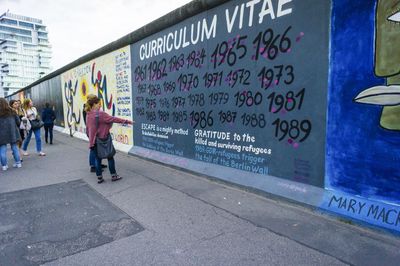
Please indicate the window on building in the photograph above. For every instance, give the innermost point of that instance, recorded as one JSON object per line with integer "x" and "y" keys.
{"x": 8, "y": 21}
{"x": 18, "y": 31}
{"x": 26, "y": 25}
{"x": 40, "y": 27}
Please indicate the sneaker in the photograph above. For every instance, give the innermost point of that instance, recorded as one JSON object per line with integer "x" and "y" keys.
{"x": 17, "y": 165}
{"x": 100, "y": 179}
{"x": 42, "y": 154}
{"x": 4, "y": 167}
{"x": 25, "y": 153}
{"x": 116, "y": 178}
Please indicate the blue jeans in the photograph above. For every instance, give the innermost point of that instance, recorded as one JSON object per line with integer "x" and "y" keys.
{"x": 37, "y": 138}
{"x": 92, "y": 158}
{"x": 3, "y": 154}
{"x": 111, "y": 163}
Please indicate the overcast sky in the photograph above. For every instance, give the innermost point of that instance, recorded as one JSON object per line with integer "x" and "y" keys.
{"x": 77, "y": 27}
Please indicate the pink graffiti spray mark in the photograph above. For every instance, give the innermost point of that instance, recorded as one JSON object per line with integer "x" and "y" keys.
{"x": 292, "y": 143}
{"x": 298, "y": 38}
{"x": 271, "y": 85}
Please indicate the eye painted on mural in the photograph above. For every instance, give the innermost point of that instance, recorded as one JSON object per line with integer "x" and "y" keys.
{"x": 395, "y": 17}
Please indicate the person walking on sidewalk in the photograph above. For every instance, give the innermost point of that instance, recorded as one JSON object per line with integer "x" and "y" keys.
{"x": 48, "y": 117}
{"x": 92, "y": 155}
{"x": 9, "y": 134}
{"x": 101, "y": 128}
{"x": 16, "y": 106}
{"x": 32, "y": 114}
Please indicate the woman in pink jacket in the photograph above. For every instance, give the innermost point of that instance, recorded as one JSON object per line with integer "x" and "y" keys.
{"x": 101, "y": 130}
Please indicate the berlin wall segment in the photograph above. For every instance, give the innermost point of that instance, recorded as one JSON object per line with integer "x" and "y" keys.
{"x": 109, "y": 78}
{"x": 253, "y": 76}
{"x": 227, "y": 87}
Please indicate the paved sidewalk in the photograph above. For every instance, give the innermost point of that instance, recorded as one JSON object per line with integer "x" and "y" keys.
{"x": 173, "y": 217}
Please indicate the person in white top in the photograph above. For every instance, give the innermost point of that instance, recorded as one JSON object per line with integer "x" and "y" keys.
{"x": 32, "y": 114}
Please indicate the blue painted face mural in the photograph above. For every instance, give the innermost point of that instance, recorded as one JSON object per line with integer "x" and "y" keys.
{"x": 387, "y": 64}
{"x": 363, "y": 138}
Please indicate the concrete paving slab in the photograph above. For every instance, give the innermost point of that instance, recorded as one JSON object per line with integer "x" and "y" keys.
{"x": 43, "y": 224}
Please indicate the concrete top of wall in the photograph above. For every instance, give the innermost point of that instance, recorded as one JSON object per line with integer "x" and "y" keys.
{"x": 191, "y": 9}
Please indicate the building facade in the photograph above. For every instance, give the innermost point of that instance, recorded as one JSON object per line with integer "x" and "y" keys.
{"x": 25, "y": 52}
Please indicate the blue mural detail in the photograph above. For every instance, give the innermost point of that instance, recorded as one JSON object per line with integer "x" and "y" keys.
{"x": 362, "y": 158}
{"x": 370, "y": 211}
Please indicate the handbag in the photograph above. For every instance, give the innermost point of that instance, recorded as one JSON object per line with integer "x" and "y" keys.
{"x": 36, "y": 123}
{"x": 25, "y": 124}
{"x": 104, "y": 146}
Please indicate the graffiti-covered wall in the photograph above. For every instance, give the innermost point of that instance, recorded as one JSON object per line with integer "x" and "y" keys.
{"x": 109, "y": 78}
{"x": 237, "y": 87}
{"x": 296, "y": 98}
{"x": 248, "y": 85}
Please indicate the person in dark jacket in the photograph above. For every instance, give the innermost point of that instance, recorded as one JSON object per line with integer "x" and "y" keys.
{"x": 16, "y": 106}
{"x": 48, "y": 117}
{"x": 9, "y": 134}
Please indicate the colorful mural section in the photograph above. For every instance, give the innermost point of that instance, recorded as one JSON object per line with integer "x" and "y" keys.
{"x": 363, "y": 137}
{"x": 108, "y": 77}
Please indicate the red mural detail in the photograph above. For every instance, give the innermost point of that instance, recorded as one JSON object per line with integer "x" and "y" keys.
{"x": 100, "y": 83}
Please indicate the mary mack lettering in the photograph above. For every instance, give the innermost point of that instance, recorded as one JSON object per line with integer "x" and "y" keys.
{"x": 254, "y": 10}
{"x": 390, "y": 216}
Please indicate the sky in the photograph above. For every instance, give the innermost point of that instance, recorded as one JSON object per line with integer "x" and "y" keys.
{"x": 78, "y": 27}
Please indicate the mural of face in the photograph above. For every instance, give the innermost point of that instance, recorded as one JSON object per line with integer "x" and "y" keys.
{"x": 387, "y": 64}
